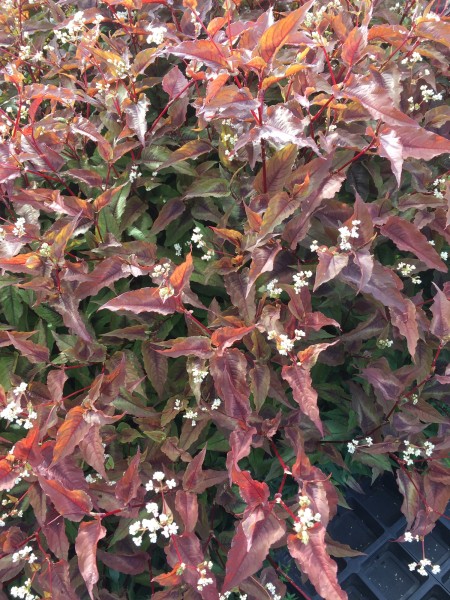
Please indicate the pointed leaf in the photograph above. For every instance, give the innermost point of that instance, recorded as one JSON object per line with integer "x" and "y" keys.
{"x": 304, "y": 394}
{"x": 143, "y": 300}
{"x": 406, "y": 236}
{"x": 71, "y": 504}
{"x": 127, "y": 487}
{"x": 440, "y": 323}
{"x": 229, "y": 372}
{"x": 314, "y": 560}
{"x": 278, "y": 34}
{"x": 70, "y": 434}
{"x": 278, "y": 170}
{"x": 89, "y": 534}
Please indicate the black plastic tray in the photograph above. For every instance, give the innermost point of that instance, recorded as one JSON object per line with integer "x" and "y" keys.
{"x": 371, "y": 526}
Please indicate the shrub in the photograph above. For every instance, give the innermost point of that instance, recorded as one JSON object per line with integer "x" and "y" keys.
{"x": 224, "y": 239}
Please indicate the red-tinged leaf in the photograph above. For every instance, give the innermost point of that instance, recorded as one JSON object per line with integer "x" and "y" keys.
{"x": 409, "y": 486}
{"x": 440, "y": 323}
{"x": 254, "y": 493}
{"x": 304, "y": 394}
{"x": 278, "y": 170}
{"x": 434, "y": 30}
{"x": 278, "y": 34}
{"x": 421, "y": 144}
{"x": 392, "y": 149}
{"x": 70, "y": 434}
{"x": 55, "y": 383}
{"x": 91, "y": 178}
{"x": 156, "y": 367}
{"x": 197, "y": 480}
{"x": 330, "y": 265}
{"x": 105, "y": 198}
{"x": 55, "y": 579}
{"x": 213, "y": 187}
{"x": 229, "y": 372}
{"x": 67, "y": 306}
{"x": 169, "y": 579}
{"x": 186, "y": 548}
{"x": 89, "y": 534}
{"x": 71, "y": 504}
{"x": 93, "y": 452}
{"x": 192, "y": 346}
{"x": 262, "y": 262}
{"x": 186, "y": 505}
{"x": 127, "y": 487}
{"x": 406, "y": 322}
{"x": 224, "y": 337}
{"x": 314, "y": 560}
{"x": 27, "y": 449}
{"x": 130, "y": 564}
{"x": 259, "y": 384}
{"x": 174, "y": 82}
{"x": 406, "y": 236}
{"x": 181, "y": 275}
{"x": 35, "y": 353}
{"x": 376, "y": 100}
{"x": 235, "y": 237}
{"x": 60, "y": 236}
{"x": 242, "y": 295}
{"x": 191, "y": 149}
{"x": 354, "y": 46}
{"x": 54, "y": 530}
{"x": 143, "y": 300}
{"x": 88, "y": 129}
{"x": 171, "y": 210}
{"x": 242, "y": 563}
{"x": 317, "y": 320}
{"x": 204, "y": 50}
{"x": 136, "y": 116}
{"x": 8, "y": 475}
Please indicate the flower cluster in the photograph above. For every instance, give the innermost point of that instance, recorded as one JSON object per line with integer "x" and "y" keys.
{"x": 191, "y": 414}
{"x": 19, "y": 227}
{"x": 384, "y": 343}
{"x": 197, "y": 237}
{"x": 25, "y": 553}
{"x": 306, "y": 519}
{"x": 273, "y": 290}
{"x": 134, "y": 173}
{"x": 159, "y": 521}
{"x": 23, "y": 592}
{"x": 203, "y": 580}
{"x": 429, "y": 94}
{"x": 272, "y": 591}
{"x": 406, "y": 269}
{"x": 420, "y": 567}
{"x": 156, "y": 35}
{"x": 412, "y": 451}
{"x": 415, "y": 57}
{"x": 284, "y": 344}
{"x": 161, "y": 270}
{"x": 315, "y": 18}
{"x": 345, "y": 234}
{"x": 351, "y": 446}
{"x": 198, "y": 375}
{"x": 439, "y": 187}
{"x": 300, "y": 280}
{"x": 409, "y": 537}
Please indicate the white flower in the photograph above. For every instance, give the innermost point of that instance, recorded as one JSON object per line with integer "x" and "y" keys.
{"x": 191, "y": 414}
{"x": 152, "y": 508}
{"x": 178, "y": 249}
{"x": 134, "y": 528}
{"x": 444, "y": 255}
{"x": 198, "y": 375}
{"x": 137, "y": 540}
{"x": 208, "y": 255}
{"x": 20, "y": 389}
{"x": 314, "y": 246}
{"x": 216, "y": 403}
{"x": 171, "y": 483}
{"x": 384, "y": 343}
{"x": 197, "y": 237}
{"x": 299, "y": 334}
{"x": 272, "y": 290}
{"x": 134, "y": 173}
{"x": 158, "y": 476}
{"x": 149, "y": 486}
{"x": 369, "y": 441}
{"x": 157, "y": 35}
{"x": 300, "y": 280}
{"x": 351, "y": 446}
{"x": 345, "y": 234}
{"x": 166, "y": 292}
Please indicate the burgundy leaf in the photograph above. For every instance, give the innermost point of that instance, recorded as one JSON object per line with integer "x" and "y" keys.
{"x": 243, "y": 562}
{"x": 278, "y": 170}
{"x": 303, "y": 392}
{"x": 71, "y": 504}
{"x": 186, "y": 505}
{"x": 191, "y": 346}
{"x": 407, "y": 236}
{"x": 330, "y": 265}
{"x": 127, "y": 487}
{"x": 89, "y": 534}
{"x": 229, "y": 371}
{"x": 314, "y": 560}
{"x": 440, "y": 323}
{"x": 155, "y": 365}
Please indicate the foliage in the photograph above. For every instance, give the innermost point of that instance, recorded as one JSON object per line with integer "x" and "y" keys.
{"x": 223, "y": 252}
